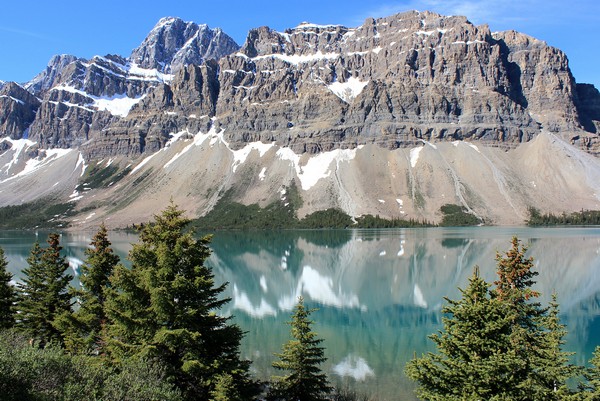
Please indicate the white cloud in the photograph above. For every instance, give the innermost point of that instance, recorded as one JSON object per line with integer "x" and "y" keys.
{"x": 496, "y": 13}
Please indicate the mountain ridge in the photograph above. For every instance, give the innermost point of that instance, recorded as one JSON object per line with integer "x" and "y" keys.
{"x": 411, "y": 83}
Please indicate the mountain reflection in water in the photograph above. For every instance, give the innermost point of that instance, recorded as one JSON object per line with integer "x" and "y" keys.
{"x": 378, "y": 292}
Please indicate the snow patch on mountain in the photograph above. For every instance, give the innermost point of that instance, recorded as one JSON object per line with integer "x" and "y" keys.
{"x": 13, "y": 99}
{"x": 117, "y": 105}
{"x": 17, "y": 147}
{"x": 240, "y": 156}
{"x": 414, "y": 156}
{"x": 318, "y": 166}
{"x": 348, "y": 90}
{"x": 20, "y": 146}
{"x": 296, "y": 59}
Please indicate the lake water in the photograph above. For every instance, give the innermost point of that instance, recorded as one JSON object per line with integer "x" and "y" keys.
{"x": 378, "y": 292}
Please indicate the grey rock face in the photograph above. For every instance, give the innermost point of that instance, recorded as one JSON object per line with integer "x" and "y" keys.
{"x": 589, "y": 106}
{"x": 174, "y": 43}
{"x": 51, "y": 75}
{"x": 187, "y": 104}
{"x": 82, "y": 99}
{"x": 17, "y": 110}
{"x": 393, "y": 81}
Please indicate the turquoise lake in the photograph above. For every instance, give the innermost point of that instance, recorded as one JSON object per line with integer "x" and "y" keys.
{"x": 378, "y": 292}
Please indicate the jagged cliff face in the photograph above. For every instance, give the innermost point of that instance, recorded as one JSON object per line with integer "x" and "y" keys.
{"x": 17, "y": 110}
{"x": 413, "y": 83}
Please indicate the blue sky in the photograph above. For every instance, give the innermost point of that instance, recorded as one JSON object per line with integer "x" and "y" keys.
{"x": 33, "y": 31}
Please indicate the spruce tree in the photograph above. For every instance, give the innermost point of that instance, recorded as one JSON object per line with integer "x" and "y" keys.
{"x": 7, "y": 295}
{"x": 165, "y": 308}
{"x": 300, "y": 358}
{"x": 497, "y": 344}
{"x": 590, "y": 390}
{"x": 85, "y": 326}
{"x": 536, "y": 334}
{"x": 473, "y": 361}
{"x": 554, "y": 364}
{"x": 44, "y": 295}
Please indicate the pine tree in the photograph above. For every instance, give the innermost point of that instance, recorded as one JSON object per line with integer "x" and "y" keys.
{"x": 165, "y": 306}
{"x": 85, "y": 326}
{"x": 554, "y": 364}
{"x": 301, "y": 357}
{"x": 590, "y": 390}
{"x": 473, "y": 362}
{"x": 536, "y": 336}
{"x": 44, "y": 295}
{"x": 497, "y": 344}
{"x": 7, "y": 295}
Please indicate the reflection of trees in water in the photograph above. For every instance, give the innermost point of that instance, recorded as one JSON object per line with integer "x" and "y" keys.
{"x": 380, "y": 290}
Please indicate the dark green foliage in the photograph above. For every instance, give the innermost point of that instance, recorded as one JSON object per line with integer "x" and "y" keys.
{"x": 456, "y": 216}
{"x": 32, "y": 373}
{"x": 227, "y": 215}
{"x": 7, "y": 295}
{"x": 472, "y": 362}
{"x": 164, "y": 308}
{"x": 84, "y": 327}
{"x": 347, "y": 394}
{"x": 330, "y": 218}
{"x": 300, "y": 358}
{"x": 139, "y": 380}
{"x": 370, "y": 221}
{"x": 43, "y": 213}
{"x": 28, "y": 372}
{"x": 590, "y": 390}
{"x": 557, "y": 369}
{"x": 582, "y": 218}
{"x": 497, "y": 344}
{"x": 43, "y": 295}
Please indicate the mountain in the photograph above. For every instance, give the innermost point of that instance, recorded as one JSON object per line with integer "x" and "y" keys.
{"x": 396, "y": 117}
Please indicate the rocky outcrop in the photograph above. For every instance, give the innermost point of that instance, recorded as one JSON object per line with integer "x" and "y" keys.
{"x": 52, "y": 75}
{"x": 82, "y": 100}
{"x": 17, "y": 110}
{"x": 589, "y": 106}
{"x": 393, "y": 82}
{"x": 186, "y": 104}
{"x": 174, "y": 43}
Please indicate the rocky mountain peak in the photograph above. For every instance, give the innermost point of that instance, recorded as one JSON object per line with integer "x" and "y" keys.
{"x": 18, "y": 108}
{"x": 51, "y": 74}
{"x": 173, "y": 43}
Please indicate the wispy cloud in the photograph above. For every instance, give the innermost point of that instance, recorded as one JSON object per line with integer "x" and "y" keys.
{"x": 23, "y": 32}
{"x": 496, "y": 12}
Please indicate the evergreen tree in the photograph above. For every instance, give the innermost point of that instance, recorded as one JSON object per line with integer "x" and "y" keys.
{"x": 590, "y": 390}
{"x": 497, "y": 344}
{"x": 84, "y": 327}
{"x": 473, "y": 362}
{"x": 164, "y": 308}
{"x": 301, "y": 357}
{"x": 536, "y": 336}
{"x": 7, "y": 295}
{"x": 44, "y": 295}
{"x": 554, "y": 366}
